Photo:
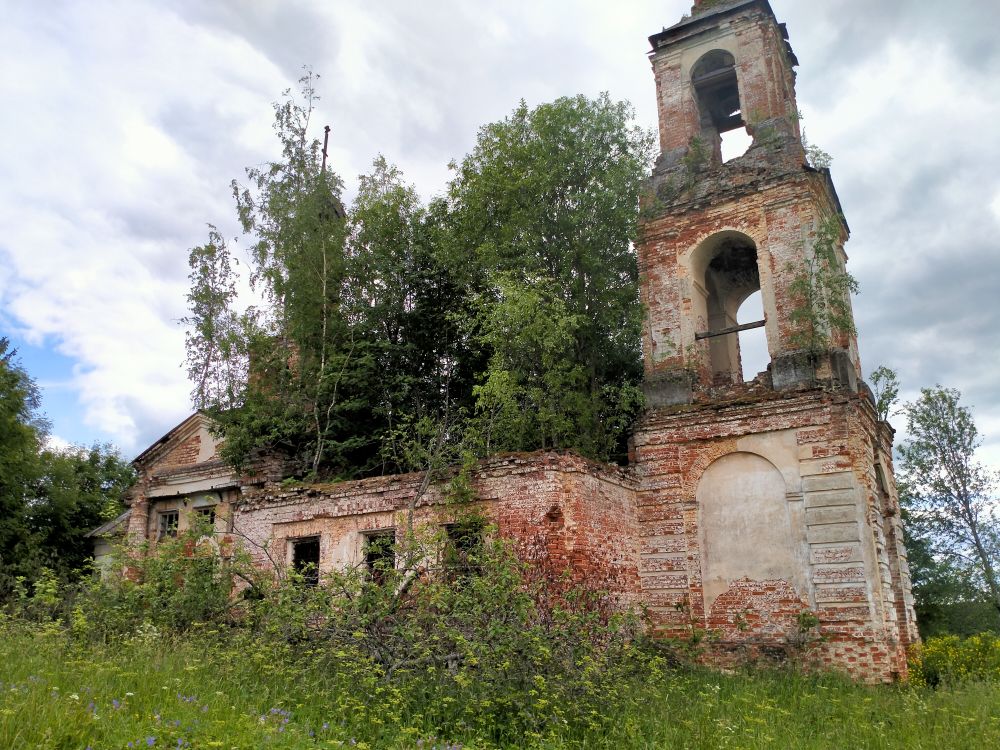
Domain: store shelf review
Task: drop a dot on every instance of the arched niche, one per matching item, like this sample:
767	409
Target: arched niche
744	526
725	272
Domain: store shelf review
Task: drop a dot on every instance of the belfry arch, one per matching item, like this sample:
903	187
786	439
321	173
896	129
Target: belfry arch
717	94
724	271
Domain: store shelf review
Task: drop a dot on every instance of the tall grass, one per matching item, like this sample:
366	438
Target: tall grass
221	689
446	648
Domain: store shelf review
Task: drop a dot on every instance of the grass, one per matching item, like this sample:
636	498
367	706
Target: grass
216	690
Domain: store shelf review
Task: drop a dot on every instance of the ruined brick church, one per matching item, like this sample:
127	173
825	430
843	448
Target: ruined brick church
745	504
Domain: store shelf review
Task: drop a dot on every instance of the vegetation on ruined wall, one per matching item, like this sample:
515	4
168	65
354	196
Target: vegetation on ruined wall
48	498
821	289
405	314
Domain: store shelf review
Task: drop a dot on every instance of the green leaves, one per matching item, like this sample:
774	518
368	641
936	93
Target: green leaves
885	387
546	205
531	391
48	499
822	290
952	497
504	316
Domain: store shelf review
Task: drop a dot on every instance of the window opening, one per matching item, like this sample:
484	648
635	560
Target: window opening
464	544
380	553
167	525
207	513
714	80
754	356
730	277
305	559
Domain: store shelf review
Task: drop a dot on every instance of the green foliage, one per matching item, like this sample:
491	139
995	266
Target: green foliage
22	433
48	499
821	288
534	392
696	157
76	491
950	659
381	337
171	585
546	208
948	596
217	355
456	634
220	688
885	387
950	496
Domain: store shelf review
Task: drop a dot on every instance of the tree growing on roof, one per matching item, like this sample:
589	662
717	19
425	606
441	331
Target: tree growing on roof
397	314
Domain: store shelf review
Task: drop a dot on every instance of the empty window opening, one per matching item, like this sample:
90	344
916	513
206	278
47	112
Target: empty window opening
305	559
380	553
724	268
718	94
754	356
735	143
464	544
206	513
167	524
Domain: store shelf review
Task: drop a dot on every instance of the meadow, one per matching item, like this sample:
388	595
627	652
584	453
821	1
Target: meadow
217	688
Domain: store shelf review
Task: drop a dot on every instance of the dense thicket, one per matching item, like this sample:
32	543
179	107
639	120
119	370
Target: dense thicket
502	316
48	499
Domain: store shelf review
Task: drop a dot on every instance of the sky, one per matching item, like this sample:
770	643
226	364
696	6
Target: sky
124	122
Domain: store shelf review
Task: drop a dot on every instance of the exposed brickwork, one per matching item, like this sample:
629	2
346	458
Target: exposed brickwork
819	442
184	454
580	514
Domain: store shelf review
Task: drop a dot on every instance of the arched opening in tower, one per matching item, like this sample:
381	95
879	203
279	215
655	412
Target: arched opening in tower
721	114
724	268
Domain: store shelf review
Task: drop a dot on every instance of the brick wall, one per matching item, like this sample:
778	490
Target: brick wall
576	514
840	564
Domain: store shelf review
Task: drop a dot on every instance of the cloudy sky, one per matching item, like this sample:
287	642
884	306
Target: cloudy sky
123	123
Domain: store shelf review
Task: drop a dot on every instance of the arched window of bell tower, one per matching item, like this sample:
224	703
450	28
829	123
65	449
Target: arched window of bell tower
720	112
725	274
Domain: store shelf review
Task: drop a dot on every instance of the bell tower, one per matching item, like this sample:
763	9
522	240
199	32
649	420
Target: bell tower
767	503
714	233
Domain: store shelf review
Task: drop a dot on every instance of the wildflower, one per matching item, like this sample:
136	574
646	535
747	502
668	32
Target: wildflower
150	741
74	697
115	704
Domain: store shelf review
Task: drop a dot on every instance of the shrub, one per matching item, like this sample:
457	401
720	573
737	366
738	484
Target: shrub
458	638
949	659
172	585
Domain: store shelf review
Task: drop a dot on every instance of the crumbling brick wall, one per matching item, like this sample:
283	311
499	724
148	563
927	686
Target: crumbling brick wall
575	514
